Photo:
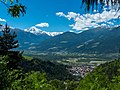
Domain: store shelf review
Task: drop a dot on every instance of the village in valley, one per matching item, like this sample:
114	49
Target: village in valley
79	65
81	69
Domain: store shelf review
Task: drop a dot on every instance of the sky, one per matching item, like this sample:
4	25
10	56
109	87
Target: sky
59	16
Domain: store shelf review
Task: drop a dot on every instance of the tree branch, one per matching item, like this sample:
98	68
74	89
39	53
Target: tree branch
5	4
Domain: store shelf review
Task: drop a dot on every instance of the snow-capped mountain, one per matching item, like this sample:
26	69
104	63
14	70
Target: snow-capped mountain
38	31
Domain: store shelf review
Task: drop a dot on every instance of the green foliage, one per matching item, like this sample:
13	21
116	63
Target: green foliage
14	7
13	76
16	79
64	85
16	10
71	85
13	59
7	40
32	81
57	84
7	76
104	77
53	70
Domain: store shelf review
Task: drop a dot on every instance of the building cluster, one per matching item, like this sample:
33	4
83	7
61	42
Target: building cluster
81	70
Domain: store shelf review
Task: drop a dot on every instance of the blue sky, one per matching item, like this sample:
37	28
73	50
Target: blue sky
58	15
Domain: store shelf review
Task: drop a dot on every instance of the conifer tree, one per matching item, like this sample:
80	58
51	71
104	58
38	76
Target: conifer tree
7	40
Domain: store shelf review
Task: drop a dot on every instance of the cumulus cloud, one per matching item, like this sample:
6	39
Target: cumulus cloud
86	21
69	16
2	20
42	25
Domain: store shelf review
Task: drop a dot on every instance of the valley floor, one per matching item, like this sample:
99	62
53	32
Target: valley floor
80	64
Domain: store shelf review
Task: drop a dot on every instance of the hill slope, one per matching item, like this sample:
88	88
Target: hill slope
99	40
104	77
27	40
53	70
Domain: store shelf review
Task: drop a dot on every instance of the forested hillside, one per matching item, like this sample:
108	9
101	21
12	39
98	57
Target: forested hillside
18	73
104	77
53	70
21	74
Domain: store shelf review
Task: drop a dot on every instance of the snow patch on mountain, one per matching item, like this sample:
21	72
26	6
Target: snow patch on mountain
53	33
38	31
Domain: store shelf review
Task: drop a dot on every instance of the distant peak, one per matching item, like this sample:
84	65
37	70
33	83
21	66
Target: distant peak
38	31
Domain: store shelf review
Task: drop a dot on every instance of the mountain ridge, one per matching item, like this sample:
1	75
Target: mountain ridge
98	40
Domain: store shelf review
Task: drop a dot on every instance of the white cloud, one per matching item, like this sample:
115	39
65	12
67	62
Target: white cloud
85	21
2	20
72	15
69	16
60	14
42	25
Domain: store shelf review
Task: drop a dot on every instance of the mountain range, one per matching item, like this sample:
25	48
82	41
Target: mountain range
97	40
30	37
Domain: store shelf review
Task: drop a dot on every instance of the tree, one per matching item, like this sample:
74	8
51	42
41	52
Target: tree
7	40
15	9
32	81
94	4
57	84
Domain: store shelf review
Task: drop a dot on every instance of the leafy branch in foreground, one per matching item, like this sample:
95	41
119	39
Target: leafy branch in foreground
15	9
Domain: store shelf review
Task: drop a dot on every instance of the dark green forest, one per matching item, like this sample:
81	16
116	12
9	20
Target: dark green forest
21	74
18	73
